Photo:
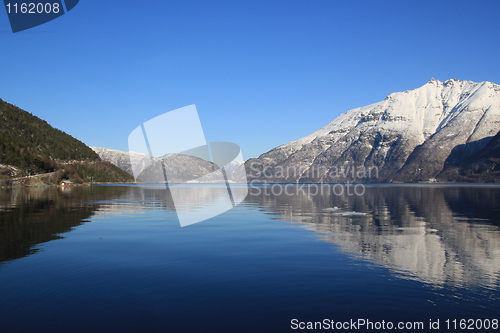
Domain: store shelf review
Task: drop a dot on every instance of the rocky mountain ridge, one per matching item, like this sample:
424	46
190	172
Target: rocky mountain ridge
407	137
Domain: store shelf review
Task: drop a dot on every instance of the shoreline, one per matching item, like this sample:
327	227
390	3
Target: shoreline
5	184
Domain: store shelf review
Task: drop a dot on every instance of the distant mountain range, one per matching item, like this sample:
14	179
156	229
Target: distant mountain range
440	132
29	145
180	167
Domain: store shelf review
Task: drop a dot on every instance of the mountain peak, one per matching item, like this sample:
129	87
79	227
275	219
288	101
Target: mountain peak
407	137
434	81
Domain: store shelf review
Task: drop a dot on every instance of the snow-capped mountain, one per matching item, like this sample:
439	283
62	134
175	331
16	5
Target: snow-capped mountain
180	167
406	137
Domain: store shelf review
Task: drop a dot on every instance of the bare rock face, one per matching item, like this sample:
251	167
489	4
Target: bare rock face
482	166
407	137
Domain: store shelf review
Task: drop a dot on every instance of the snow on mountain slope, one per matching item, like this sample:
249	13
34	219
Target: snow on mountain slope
406	137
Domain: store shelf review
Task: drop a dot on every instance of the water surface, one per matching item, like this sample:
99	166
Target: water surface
114	258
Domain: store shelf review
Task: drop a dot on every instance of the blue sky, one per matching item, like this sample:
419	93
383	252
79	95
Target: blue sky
261	73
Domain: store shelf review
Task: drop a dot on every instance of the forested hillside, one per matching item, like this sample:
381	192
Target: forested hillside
32	146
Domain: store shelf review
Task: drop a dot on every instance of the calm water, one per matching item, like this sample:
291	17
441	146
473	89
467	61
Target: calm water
113	258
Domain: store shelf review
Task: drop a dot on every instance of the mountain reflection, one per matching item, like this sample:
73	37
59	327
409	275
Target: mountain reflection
30	216
435	234
439	235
